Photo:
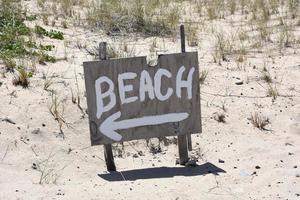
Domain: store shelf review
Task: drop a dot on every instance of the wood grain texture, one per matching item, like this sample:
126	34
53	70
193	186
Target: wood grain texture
112	68
183	149
108	154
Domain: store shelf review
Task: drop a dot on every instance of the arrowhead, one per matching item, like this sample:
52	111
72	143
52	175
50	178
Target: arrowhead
108	127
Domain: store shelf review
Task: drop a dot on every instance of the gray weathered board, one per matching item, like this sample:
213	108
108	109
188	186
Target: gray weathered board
152	106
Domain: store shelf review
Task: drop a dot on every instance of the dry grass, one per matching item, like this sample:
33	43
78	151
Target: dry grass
262	19
259	121
48	81
203	76
272	91
49	170
139	16
265	75
22	78
224	46
57	111
192	35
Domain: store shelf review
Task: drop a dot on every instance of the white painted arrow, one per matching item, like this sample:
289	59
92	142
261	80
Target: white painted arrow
110	125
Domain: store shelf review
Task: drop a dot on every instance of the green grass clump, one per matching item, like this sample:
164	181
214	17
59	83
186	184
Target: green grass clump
16	38
55	35
12	31
40	31
46	47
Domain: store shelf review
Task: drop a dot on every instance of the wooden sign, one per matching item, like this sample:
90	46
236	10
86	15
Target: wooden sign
127	99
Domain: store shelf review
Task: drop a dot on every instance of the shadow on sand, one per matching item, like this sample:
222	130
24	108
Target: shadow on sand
162	172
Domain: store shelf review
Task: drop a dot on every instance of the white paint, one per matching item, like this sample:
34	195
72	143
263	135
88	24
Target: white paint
146	85
110	125
126	88
157	84
184	84
100	96
153	89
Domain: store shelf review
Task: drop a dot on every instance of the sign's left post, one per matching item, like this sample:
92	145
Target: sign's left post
108	154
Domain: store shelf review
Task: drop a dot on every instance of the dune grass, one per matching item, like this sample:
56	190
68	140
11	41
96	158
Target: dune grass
17	39
134	16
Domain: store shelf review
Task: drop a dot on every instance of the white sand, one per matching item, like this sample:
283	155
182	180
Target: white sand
74	165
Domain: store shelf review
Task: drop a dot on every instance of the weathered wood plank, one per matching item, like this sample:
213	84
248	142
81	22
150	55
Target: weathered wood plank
189	142
108	154
182	149
149	106
183	139
109	158
182	37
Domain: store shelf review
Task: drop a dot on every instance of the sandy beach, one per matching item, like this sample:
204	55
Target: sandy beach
42	157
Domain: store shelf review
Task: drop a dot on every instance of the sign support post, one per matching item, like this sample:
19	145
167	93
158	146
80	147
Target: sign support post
108	154
183	139
182	37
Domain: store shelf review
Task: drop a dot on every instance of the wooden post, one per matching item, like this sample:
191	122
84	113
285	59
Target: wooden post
109	158
182	37
108	154
182	149
189	142
182	139
103	51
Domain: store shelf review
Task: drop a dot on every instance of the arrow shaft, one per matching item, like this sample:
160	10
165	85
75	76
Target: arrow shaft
150	120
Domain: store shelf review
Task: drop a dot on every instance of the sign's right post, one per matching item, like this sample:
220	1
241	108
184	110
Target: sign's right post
182	139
